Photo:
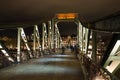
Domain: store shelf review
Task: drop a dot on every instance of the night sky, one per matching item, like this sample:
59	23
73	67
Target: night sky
8	32
67	28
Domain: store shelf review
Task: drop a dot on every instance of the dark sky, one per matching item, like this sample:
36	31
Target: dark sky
8	32
67	28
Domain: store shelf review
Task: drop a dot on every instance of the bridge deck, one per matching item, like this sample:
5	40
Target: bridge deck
50	67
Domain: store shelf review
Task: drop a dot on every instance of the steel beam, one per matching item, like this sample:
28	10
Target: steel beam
114	58
36	38
43	36
116	68
79	34
2	49
86	40
18	45
94	45
49	34
34	41
26	42
53	34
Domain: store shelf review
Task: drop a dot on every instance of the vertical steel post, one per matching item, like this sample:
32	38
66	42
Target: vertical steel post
25	41
80	35
34	41
43	35
86	39
37	39
53	36
49	34
84	32
18	44
56	35
61	42
81	38
82	45
58	40
77	33
94	45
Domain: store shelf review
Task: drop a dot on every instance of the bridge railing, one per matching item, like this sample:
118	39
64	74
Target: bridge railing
93	70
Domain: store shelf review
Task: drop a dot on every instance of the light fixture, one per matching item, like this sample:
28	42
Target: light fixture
67	15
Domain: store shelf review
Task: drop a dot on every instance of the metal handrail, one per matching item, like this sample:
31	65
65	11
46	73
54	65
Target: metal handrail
104	72
112	77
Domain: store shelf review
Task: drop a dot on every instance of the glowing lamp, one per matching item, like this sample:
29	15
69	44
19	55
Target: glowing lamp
66	15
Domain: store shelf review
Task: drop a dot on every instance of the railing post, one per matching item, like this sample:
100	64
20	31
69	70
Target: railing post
49	34
94	46
18	44
43	36
34	42
53	34
87	38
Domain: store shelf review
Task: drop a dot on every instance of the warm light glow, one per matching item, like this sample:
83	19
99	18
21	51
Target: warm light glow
90	47
4	51
36	27
50	27
0	46
18	58
90	54
10	59
90	36
27	47
66	16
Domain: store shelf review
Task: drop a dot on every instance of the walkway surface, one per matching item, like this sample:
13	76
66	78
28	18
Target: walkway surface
50	67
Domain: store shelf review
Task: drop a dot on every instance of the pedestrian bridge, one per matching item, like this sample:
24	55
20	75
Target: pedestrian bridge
43	57
59	40
49	67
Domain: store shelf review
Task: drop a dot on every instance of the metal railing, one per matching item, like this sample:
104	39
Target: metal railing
93	69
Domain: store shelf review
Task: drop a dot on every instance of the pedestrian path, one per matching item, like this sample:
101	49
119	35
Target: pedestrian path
49	67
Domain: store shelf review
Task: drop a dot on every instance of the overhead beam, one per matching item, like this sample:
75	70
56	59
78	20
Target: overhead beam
107	25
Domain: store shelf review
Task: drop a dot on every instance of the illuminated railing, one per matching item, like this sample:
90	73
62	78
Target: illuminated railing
5	53
93	70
